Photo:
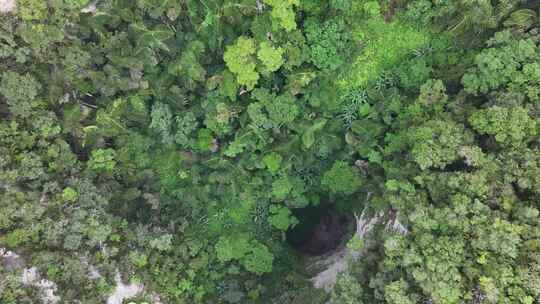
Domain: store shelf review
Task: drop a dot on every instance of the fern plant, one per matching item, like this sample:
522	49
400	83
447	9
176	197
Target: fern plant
352	101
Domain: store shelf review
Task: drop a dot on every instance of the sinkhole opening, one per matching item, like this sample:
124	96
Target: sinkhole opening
320	230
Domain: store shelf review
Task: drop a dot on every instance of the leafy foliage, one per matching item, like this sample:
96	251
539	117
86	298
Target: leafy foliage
341	178
282	10
436	143
20	92
328	43
281	218
102	160
271	58
240	61
182	143
508	126
253	255
272	161
507	63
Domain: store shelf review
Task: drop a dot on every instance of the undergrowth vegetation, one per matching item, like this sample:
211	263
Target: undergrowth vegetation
175	142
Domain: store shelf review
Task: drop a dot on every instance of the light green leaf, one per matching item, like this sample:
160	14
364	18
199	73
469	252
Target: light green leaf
308	138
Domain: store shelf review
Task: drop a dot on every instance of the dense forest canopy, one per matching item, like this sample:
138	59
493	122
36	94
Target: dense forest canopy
217	151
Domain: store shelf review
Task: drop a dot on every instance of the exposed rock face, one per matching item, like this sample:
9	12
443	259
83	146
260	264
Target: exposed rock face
30	276
10	260
91	8
123	291
7	6
338	260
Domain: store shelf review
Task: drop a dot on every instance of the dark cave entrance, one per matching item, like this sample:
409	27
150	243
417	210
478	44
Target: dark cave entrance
320	230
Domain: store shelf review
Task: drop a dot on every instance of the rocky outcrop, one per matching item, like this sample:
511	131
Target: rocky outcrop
337	261
48	289
7	6
123	291
30	276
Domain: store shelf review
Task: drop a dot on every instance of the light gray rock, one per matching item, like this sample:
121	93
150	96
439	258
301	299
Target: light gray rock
123	291
7	6
339	260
